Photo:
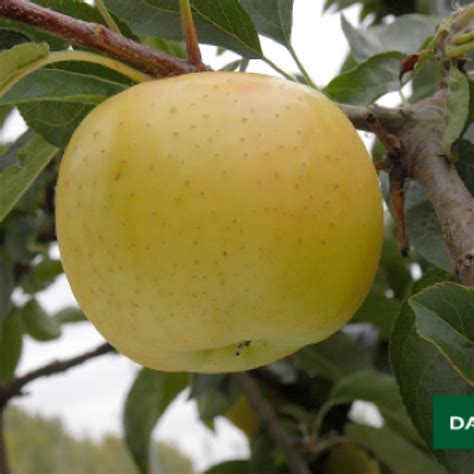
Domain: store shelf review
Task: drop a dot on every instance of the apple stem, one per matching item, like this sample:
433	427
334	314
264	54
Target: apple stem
190	35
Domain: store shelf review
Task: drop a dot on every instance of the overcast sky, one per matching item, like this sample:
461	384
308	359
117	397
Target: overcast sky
90	398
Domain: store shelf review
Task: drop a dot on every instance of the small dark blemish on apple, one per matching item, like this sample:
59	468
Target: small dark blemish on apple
172	110
241	346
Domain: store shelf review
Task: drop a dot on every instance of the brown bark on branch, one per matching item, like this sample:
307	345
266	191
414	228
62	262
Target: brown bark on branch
13	388
95	36
270	422
420	128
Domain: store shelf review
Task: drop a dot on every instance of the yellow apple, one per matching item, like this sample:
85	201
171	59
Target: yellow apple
217	222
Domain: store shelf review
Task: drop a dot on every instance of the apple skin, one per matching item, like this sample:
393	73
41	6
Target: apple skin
198	212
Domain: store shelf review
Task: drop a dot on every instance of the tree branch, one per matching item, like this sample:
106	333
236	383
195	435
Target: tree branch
271	423
95	36
454	205
420	128
13	388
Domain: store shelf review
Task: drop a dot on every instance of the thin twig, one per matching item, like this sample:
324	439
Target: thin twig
190	35
13	388
271	423
95	36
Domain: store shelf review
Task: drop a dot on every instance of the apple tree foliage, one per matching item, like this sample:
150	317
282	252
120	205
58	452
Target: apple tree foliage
412	338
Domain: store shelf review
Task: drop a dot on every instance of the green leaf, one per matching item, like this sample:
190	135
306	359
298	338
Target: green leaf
214	394
377	388
424	228
272	18
54	121
333	358
363	44
444	316
33	34
174	48
11	339
229	467
203	383
32	157
224	23
393	450
18	57
427	78
41	275
368	81
71	314
38	324
10	37
405	34
20	236
457	108
10	155
7	284
421	372
464	149
147	399
64	86
394	270
83	11
378	310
